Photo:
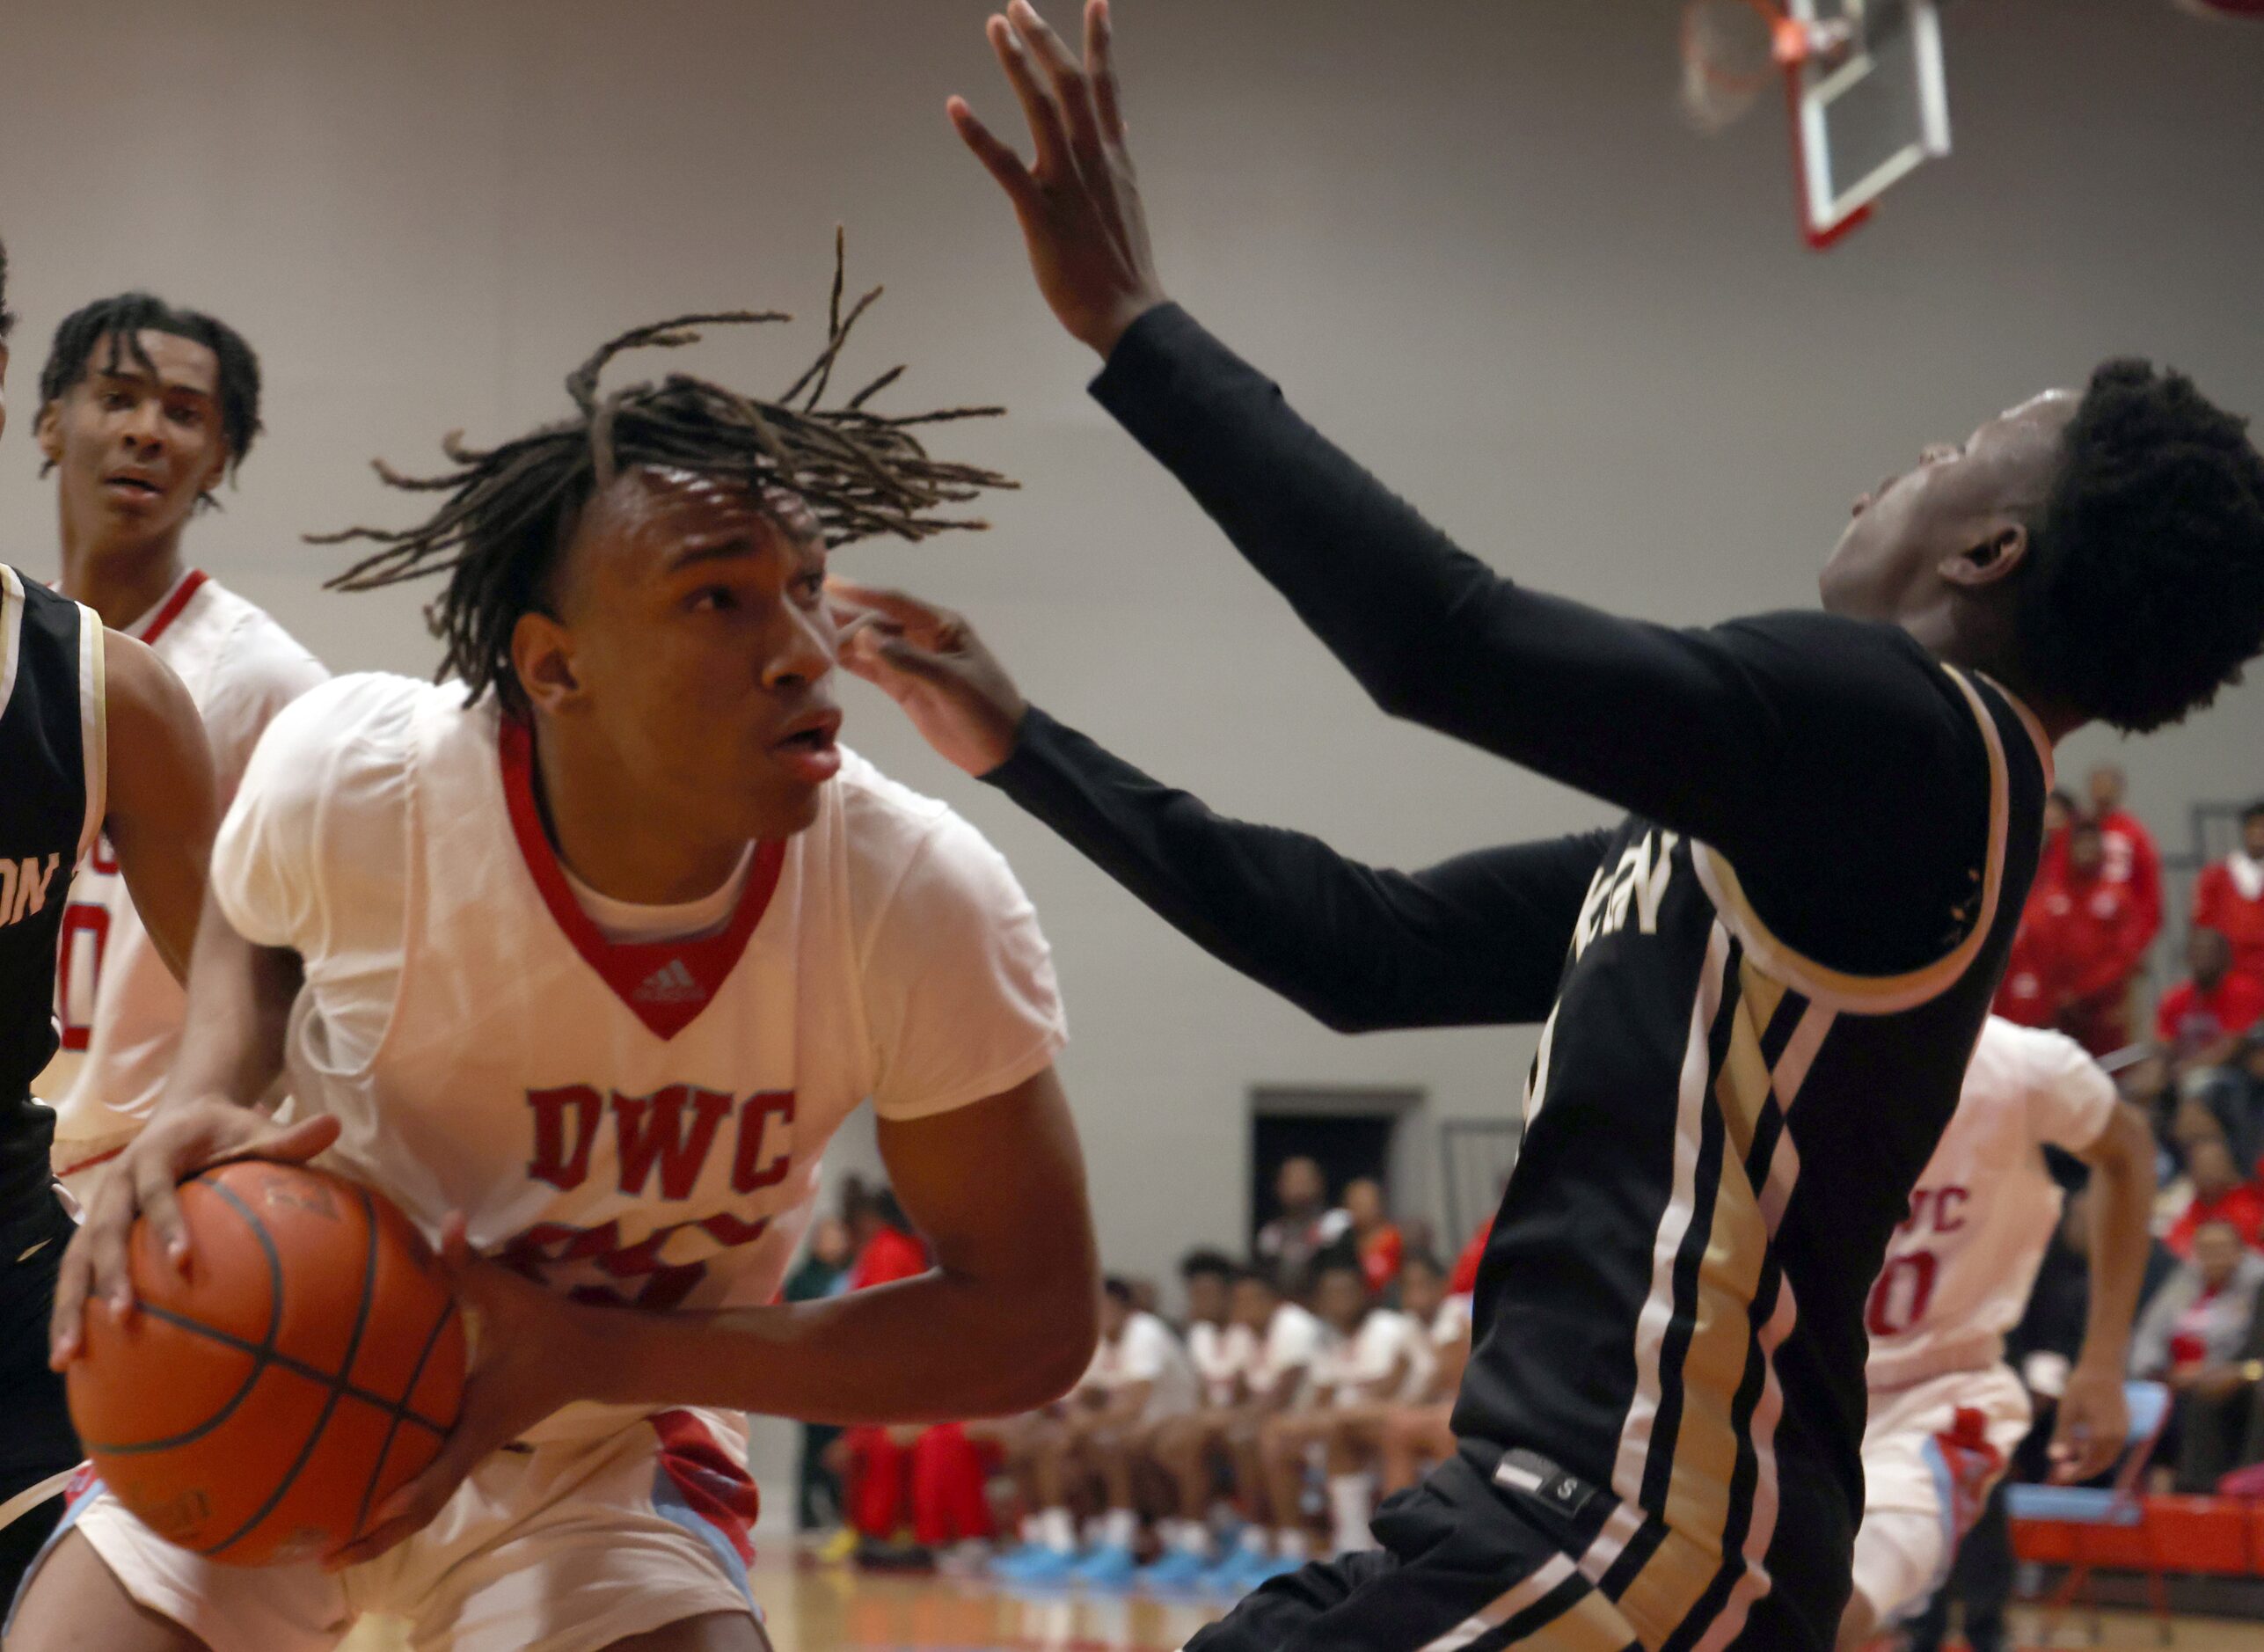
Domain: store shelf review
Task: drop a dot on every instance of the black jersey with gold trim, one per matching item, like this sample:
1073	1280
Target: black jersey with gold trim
51	751
1720	1136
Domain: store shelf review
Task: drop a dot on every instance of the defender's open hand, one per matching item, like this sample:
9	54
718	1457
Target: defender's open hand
1078	201
931	662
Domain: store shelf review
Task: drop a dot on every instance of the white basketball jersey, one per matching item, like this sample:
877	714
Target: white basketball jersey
642	1122
118	1007
1958	1271
1219	1354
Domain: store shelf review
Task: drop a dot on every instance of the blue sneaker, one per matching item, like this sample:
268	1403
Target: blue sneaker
1181	1568
1037	1564
1227	1577
1109	1566
1264	1567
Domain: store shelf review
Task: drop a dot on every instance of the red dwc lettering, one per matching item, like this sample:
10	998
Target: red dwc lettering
553	1161
748	1169
1881	1315
649	1128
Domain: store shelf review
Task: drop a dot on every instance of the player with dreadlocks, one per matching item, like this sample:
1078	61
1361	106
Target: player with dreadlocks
593	949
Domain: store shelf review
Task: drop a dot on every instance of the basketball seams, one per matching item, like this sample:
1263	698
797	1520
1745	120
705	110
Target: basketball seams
401	1412
261	1352
346	1364
284	1362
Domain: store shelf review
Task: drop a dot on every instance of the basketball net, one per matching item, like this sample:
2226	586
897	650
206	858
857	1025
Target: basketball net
1734	50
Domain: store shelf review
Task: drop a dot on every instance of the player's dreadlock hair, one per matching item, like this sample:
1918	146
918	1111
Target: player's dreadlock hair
7	316
2147	590
511	510
122	321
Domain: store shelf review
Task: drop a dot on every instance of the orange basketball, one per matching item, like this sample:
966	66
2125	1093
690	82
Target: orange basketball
258	1410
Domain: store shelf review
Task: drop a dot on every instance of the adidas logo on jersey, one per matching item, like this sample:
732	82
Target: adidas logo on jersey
671	984
24	886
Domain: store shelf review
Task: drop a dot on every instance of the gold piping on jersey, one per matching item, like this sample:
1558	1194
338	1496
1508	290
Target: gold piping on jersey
93	724
1875	995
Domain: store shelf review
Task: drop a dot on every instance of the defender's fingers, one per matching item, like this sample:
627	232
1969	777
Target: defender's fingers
1064	76
1101	68
1048	131
999	159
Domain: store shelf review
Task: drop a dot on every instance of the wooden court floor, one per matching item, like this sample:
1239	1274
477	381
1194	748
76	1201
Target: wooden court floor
814	1609
838	1609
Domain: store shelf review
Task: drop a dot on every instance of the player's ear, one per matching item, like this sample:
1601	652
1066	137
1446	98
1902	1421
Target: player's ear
542	654
47	430
2000	550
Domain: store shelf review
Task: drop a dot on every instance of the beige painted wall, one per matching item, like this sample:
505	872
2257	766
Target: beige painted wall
1470	237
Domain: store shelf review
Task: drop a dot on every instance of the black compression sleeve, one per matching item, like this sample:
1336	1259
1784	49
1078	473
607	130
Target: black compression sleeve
1830	760
1476	940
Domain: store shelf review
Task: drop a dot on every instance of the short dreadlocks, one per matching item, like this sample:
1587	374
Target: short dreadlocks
122	320
511	510
7	316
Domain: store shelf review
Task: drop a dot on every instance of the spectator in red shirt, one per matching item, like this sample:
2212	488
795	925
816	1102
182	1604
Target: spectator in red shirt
2025	996
1381	1244
2201	1020
2229	896
2082	940
2220	1195
886	1249
2131	858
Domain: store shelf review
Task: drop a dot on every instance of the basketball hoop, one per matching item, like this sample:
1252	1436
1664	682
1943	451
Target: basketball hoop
1733	49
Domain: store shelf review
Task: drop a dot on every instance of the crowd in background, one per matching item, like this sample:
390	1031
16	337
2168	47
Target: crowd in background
1258	1427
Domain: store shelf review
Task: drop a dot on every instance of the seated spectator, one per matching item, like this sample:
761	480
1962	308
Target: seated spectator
2229	896
2232	1096
1421	1432
1139	1379
2221	1193
1279	1339
887	1249
1305	1226
1367	1354
1192	1449
926	1483
2195	1336
2200	1019
1373	1232
2130	858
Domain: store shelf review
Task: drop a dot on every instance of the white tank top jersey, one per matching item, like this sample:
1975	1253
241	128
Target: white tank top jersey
1219	1353
637	1121
1293	1336
1343	1366
118	1007
1958	1271
1147	1351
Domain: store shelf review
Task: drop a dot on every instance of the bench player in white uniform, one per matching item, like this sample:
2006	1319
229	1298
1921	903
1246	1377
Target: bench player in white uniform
1368	1354
144	409
1946	1410
593	965
1186	1448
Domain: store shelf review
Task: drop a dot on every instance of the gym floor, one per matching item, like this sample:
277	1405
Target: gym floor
831	1609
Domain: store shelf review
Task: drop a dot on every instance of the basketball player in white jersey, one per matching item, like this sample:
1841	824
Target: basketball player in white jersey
144	409
1946	1410
583	958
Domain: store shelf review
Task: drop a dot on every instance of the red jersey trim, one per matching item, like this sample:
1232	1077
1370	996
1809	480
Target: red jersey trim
665	983
170	609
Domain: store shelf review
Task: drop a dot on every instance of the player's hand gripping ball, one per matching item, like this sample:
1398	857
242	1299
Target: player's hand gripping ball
310	1362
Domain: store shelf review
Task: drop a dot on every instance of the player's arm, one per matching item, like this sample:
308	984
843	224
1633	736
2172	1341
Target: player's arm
159	807
2088	1435
1006	1320
1479	940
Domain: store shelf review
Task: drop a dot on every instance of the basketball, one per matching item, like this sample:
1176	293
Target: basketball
257	1410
